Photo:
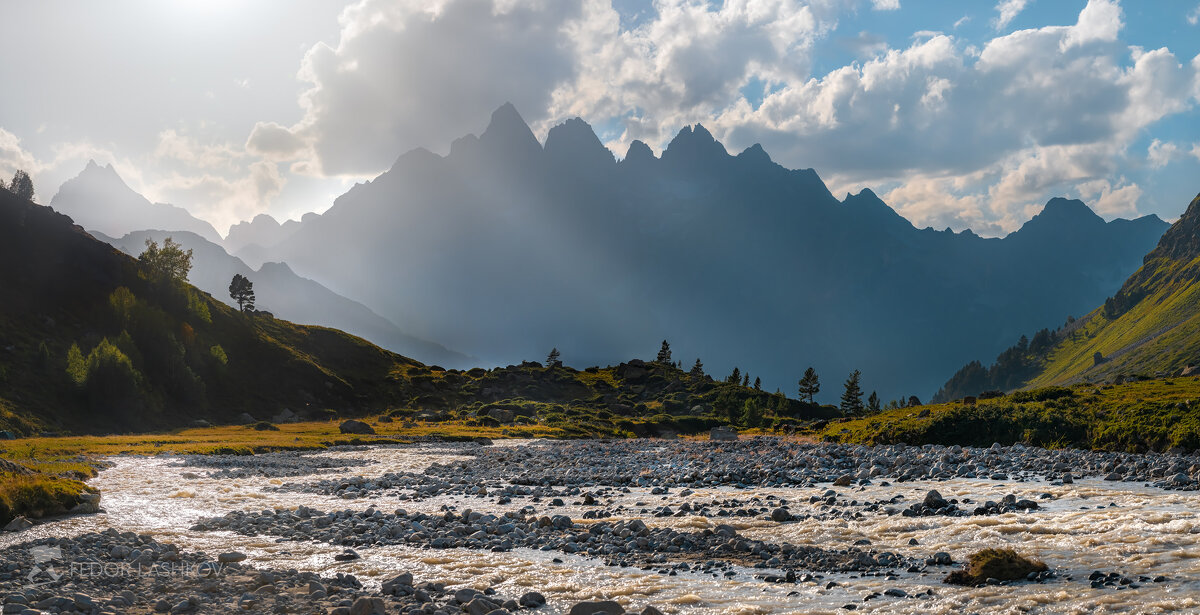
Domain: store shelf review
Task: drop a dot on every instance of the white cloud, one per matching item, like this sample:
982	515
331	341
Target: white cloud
885	5
1109	200
1008	9
1194	16
1160	154
1196	150
222	199
983	133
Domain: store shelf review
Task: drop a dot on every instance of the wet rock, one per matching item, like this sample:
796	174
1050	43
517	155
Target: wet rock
934	500
231	557
368	606
532	600
18	524
781	515
606	607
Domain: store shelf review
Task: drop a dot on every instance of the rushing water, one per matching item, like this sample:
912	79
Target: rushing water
1090	525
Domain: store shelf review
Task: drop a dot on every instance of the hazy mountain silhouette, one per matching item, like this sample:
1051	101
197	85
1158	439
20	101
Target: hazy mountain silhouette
261	232
505	248
289	296
98	199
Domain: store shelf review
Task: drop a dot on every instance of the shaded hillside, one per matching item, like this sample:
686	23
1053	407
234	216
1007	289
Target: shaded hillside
286	295
151	354
99	200
508	246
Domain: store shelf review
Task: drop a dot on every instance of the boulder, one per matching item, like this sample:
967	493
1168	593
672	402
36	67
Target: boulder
1000	564
18	524
934	500
286	416
532	600
9	467
88	503
245	419
502	415
231	557
781	515
723	434
599	607
356	427
368	606
843	481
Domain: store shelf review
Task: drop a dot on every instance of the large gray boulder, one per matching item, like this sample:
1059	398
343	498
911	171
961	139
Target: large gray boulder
723	434
356	427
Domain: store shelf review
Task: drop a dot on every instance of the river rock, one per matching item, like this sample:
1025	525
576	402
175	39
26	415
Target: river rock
605	607
231	557
532	600
18	524
934	500
368	606
356	427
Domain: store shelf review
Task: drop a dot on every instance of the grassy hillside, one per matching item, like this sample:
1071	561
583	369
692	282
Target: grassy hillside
1138	416
1149	328
1152	325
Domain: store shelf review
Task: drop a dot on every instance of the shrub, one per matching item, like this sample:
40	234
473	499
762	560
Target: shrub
1044	394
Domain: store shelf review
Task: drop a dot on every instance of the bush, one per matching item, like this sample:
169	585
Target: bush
1044	394
38	496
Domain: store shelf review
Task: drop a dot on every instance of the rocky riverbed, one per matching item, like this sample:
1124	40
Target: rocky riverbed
750	526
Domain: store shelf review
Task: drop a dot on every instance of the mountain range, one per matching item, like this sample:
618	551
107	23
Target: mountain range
507	247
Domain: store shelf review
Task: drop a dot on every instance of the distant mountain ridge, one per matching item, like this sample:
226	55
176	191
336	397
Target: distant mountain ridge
289	296
505	248
98	199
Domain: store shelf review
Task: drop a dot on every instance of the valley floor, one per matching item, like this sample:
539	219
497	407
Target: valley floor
759	525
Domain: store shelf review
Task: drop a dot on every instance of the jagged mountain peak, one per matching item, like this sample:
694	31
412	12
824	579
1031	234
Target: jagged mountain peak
638	152
694	143
507	129
755	153
574	142
1182	240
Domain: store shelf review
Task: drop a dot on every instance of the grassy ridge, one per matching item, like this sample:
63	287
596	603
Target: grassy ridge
1153	415
1151	325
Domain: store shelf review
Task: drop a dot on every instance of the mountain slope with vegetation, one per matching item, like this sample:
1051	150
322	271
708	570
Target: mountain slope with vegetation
1149	328
91	341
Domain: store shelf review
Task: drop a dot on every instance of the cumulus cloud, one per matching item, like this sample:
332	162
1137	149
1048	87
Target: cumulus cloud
1193	17
968	133
222	199
1160	154
1008	10
416	73
885	5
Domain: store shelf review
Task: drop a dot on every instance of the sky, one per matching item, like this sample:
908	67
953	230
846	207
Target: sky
958	114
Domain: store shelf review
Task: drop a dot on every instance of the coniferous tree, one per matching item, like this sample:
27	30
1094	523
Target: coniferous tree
752	413
21	185
810	385
873	403
697	369
852	397
735	377
757	383
241	289
664	353
552	359
746	380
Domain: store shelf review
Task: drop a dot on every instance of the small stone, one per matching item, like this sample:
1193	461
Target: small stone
231	557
